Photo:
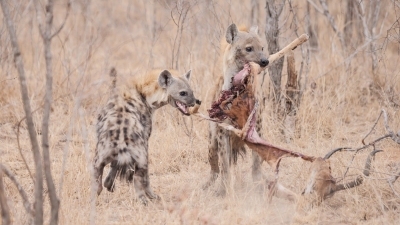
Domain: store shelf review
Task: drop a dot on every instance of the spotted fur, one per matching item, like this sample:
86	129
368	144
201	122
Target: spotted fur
224	146
125	123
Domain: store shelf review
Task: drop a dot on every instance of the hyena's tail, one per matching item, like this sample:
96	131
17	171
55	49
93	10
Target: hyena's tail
126	164
113	76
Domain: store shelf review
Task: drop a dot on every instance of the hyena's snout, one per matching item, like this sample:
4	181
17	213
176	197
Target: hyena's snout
263	62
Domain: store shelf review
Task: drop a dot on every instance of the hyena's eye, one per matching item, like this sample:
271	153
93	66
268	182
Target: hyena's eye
249	49
183	93
262	49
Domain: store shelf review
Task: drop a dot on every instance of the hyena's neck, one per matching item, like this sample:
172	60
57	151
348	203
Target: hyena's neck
148	87
230	67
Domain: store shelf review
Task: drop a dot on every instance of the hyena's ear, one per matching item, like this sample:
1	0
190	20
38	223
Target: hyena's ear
187	75
254	29
165	79
231	33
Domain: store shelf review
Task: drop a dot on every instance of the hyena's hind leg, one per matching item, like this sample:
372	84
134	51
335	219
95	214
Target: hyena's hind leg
98	168
212	155
109	182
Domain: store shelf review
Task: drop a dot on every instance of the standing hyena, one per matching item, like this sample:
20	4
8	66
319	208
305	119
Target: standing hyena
124	126
243	47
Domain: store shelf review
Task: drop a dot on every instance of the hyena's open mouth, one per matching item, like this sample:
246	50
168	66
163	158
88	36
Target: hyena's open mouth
182	107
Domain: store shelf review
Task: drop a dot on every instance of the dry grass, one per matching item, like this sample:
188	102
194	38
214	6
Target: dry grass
135	36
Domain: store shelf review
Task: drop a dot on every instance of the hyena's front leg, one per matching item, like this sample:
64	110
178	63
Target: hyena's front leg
142	185
257	160
110	179
139	183
141	177
224	154
147	189
212	155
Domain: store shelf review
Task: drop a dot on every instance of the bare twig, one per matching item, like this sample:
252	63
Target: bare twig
5	210
391	186
332	22
395	137
21	190
47	36
66	146
315	6
65	19
346	59
28	112
90	168
372	128
183	8
329	154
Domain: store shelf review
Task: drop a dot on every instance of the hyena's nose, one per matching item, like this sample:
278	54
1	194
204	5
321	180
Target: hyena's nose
264	62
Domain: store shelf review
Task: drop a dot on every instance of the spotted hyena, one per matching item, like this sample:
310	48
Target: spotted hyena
243	47
125	123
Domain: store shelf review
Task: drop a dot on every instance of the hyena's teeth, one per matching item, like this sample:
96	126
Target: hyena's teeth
181	106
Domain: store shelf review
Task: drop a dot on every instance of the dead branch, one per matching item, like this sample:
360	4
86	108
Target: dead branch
183	8
332	22
291	86
376	122
21	190
28	112
47	37
393	179
65	20
291	98
5	210
395	137
359	178
329	154
369	32
298	41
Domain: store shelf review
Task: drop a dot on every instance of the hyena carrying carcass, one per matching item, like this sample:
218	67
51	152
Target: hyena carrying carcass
243	47
125	123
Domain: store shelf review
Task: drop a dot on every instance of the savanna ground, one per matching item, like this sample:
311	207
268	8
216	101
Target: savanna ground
340	103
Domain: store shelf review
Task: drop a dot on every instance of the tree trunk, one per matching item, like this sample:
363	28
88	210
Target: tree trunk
255	13
274	10
348	23
291	97
311	29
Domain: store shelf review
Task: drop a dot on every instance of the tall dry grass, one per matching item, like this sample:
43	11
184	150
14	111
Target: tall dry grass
339	106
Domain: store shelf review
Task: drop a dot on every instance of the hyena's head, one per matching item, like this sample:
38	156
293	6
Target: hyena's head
180	94
246	46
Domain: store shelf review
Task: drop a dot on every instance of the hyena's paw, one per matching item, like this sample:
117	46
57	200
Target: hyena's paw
109	184
210	181
151	195
142	199
221	191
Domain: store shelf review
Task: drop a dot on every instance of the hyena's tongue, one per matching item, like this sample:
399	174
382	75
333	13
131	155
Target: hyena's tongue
239	77
181	106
